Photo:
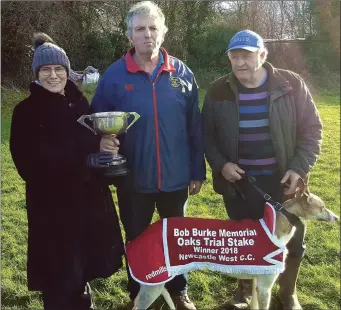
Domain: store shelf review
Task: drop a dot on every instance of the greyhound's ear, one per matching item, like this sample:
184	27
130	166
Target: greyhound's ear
302	187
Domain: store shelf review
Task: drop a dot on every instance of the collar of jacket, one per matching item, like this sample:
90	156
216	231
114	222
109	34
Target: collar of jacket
73	96
132	67
278	84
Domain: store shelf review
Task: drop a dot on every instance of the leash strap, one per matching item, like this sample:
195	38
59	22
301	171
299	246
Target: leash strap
292	218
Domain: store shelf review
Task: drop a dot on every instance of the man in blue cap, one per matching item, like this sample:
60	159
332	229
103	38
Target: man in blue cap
260	121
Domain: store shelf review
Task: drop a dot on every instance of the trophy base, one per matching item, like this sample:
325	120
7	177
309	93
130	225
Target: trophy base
118	167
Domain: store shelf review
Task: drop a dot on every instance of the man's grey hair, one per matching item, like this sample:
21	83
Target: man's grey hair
145	8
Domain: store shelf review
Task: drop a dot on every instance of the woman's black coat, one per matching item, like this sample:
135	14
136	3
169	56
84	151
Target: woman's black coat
73	229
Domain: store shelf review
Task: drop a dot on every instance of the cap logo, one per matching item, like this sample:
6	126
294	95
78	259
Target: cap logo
245	39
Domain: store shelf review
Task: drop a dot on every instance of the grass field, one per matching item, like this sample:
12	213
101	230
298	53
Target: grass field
318	285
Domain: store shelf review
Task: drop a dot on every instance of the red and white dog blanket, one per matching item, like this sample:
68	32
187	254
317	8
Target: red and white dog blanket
177	245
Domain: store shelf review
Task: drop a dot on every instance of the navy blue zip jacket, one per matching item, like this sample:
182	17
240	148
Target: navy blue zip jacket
164	148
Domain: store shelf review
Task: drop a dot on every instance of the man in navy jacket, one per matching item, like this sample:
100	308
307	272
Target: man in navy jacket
164	148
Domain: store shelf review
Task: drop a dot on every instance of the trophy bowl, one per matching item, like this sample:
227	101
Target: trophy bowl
108	123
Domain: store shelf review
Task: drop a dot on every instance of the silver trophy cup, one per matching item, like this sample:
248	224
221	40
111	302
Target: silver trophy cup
107	123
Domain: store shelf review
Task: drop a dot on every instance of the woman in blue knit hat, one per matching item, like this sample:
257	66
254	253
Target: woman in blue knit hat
73	230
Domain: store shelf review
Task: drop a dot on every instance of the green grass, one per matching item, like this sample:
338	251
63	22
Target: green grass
318	285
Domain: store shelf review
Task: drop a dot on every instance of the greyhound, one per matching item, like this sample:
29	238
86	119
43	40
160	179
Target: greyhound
304	205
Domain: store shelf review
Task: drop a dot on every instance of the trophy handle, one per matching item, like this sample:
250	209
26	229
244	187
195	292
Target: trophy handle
82	119
136	117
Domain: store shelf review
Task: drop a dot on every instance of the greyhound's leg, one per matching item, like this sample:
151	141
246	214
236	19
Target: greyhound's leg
147	295
264	288
168	299
254	299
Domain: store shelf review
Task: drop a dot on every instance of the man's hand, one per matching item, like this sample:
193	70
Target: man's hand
109	143
292	177
232	172
194	187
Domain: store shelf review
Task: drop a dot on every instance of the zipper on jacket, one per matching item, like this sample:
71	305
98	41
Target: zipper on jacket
157	138
269	116
270	126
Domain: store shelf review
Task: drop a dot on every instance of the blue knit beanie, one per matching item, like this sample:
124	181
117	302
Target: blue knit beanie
46	52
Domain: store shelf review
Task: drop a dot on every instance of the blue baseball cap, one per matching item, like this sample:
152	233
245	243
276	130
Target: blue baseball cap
246	40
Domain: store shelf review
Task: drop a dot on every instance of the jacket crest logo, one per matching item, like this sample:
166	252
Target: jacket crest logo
175	81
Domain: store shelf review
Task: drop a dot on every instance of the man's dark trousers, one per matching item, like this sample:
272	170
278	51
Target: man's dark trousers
136	212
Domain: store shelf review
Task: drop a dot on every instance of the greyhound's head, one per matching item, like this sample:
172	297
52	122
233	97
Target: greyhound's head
309	206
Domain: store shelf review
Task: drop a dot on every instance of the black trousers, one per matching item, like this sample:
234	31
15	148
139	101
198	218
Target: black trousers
249	203
136	212
59	299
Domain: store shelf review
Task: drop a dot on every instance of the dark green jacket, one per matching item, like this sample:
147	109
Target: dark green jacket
295	126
